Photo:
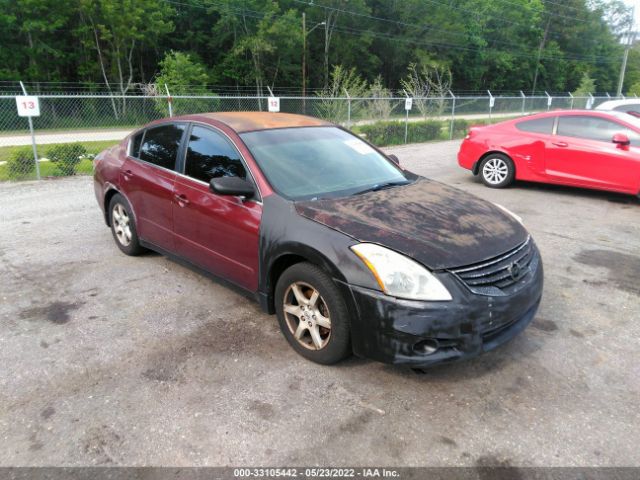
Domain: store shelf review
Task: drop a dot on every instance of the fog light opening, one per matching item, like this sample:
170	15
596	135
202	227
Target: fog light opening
426	347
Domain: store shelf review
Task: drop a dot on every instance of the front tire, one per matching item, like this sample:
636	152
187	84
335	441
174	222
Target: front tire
312	314
123	226
497	171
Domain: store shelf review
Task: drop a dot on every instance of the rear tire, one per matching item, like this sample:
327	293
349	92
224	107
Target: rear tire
497	170
312	314
123	226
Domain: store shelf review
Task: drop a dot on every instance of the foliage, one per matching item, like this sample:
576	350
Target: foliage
587	86
120	43
392	132
430	81
21	164
379	107
66	156
634	89
183	75
343	83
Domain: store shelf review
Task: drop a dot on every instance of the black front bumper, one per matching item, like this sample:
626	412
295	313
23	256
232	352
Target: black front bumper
393	330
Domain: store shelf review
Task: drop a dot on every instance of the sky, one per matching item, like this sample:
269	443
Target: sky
636	3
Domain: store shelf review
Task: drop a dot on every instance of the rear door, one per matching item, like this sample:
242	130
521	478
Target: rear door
216	232
147	179
582	153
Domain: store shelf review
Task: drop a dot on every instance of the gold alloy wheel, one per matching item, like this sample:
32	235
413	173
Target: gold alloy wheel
307	316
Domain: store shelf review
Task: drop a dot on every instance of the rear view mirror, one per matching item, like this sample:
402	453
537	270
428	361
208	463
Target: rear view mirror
234	186
621	140
394	159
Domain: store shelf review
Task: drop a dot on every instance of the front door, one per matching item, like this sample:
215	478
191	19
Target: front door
216	232
147	179
582	153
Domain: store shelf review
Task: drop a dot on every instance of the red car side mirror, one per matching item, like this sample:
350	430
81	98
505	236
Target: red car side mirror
621	140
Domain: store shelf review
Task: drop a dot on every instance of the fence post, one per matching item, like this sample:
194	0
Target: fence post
571	95
348	108
169	100
406	119
491	103
33	137
590	101
524	99
549	100
453	114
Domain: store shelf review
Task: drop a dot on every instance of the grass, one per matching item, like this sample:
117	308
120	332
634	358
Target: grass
49	169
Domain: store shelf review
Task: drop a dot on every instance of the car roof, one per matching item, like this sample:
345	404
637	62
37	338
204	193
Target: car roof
609	104
553	113
251	121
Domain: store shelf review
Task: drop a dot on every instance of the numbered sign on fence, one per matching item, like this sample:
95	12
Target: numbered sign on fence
408	103
492	102
274	104
28	106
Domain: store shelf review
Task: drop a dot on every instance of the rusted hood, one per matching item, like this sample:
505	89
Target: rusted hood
438	225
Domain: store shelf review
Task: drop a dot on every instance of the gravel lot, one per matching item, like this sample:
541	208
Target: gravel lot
113	360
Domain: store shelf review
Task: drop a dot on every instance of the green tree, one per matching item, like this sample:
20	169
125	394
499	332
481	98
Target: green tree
183	75
587	86
115	28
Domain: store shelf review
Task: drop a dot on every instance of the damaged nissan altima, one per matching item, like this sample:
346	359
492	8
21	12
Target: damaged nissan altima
354	254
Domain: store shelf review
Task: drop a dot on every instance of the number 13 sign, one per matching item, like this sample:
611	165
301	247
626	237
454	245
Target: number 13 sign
28	106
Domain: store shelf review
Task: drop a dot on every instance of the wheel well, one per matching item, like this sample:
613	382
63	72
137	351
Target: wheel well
476	166
278	267
107	198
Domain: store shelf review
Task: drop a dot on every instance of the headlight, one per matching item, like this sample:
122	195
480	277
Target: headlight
506	210
400	276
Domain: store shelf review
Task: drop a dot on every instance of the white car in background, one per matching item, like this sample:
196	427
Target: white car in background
630	106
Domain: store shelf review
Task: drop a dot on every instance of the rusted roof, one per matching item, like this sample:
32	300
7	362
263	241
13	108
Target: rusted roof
249	121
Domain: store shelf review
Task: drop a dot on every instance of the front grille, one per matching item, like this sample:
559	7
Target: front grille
502	275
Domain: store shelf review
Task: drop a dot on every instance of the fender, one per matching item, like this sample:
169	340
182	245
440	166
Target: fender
287	238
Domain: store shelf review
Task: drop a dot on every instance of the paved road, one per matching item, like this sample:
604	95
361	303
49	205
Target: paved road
140	361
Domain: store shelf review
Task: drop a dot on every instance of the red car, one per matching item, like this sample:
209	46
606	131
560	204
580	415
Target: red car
353	253
591	149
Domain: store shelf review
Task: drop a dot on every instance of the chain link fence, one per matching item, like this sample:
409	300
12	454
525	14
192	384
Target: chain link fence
72	129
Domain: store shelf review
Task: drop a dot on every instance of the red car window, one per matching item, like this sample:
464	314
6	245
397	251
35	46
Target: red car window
211	155
594	128
161	145
538	125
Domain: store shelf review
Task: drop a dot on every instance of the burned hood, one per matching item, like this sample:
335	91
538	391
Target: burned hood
439	226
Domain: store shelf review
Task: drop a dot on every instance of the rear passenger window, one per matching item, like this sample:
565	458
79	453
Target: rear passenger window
590	128
539	125
211	155
135	145
161	145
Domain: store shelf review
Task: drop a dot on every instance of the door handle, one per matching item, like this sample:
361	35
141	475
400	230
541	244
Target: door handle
561	144
128	174
182	199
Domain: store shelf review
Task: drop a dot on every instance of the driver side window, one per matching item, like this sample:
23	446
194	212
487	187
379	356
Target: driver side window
211	155
594	128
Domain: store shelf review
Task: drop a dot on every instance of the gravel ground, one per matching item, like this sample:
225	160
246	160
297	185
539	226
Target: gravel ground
110	360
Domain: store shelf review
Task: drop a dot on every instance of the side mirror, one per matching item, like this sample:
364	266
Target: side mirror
234	186
394	159
621	140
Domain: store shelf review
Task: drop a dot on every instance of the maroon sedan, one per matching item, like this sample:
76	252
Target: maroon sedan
592	149
353	253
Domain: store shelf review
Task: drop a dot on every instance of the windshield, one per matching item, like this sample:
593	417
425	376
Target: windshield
316	162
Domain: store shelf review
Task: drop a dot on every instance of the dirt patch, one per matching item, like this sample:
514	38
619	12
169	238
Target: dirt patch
623	268
55	312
